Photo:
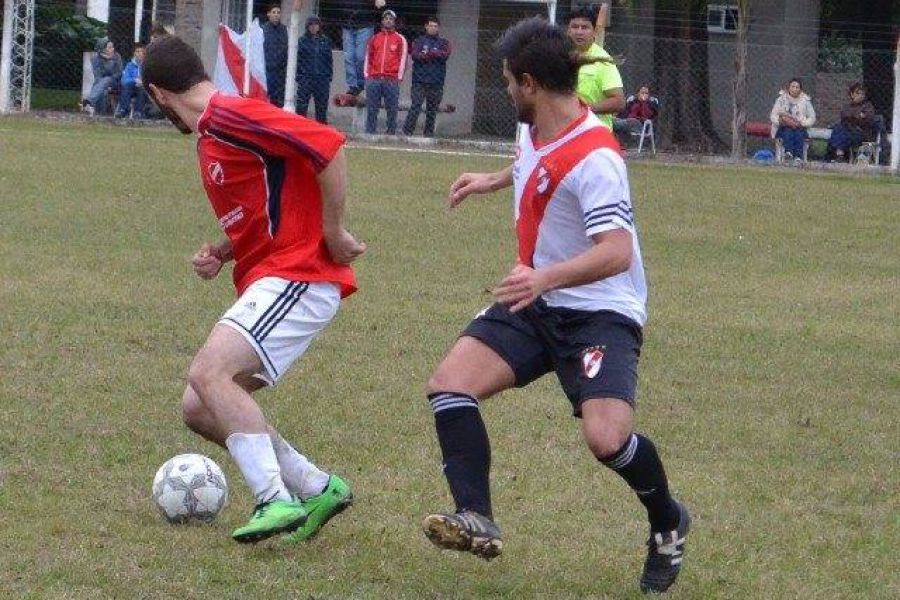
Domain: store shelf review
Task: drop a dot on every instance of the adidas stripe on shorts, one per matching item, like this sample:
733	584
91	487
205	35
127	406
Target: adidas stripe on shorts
280	319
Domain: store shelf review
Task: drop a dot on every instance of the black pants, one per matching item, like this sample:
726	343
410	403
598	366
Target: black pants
431	95
318	91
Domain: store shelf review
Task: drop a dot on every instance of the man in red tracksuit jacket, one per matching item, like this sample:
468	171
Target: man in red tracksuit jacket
384	68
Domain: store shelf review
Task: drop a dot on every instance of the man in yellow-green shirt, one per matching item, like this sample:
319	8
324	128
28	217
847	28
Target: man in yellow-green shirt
599	83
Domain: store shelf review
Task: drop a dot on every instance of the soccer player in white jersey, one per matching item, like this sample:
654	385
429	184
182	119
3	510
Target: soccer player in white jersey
574	304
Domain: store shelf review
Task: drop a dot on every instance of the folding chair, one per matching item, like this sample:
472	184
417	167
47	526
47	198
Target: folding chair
646	127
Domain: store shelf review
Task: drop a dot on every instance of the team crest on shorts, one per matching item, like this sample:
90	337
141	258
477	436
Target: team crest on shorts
591	361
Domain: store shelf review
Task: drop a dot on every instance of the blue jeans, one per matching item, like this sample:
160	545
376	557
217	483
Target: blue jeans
97	96
377	90
355	43
129	91
792	139
843	138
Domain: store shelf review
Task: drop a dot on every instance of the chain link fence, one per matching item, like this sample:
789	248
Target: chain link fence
688	61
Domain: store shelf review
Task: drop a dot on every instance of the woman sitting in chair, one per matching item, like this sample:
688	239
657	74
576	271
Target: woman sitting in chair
638	108
857	124
791	116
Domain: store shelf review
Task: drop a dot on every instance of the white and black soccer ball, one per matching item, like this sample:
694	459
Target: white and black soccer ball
190	487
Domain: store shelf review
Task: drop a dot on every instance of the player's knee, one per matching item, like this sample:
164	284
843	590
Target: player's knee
192	408
605	439
203	374
444	381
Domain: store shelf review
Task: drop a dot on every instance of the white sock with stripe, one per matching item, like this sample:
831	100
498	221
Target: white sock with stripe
255	457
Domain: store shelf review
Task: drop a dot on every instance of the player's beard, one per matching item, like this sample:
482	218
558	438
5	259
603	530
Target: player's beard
176	120
524	113
171	115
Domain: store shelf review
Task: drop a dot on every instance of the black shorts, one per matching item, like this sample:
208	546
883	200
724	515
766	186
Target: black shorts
594	354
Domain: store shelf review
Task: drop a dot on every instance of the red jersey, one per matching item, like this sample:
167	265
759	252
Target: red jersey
259	166
386	56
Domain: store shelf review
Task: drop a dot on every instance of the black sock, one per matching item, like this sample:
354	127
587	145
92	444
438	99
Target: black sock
465	449
638	463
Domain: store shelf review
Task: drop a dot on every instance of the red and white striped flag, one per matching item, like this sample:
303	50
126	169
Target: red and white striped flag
229	73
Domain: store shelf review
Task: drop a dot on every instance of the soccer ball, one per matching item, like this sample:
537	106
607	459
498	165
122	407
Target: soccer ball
190	487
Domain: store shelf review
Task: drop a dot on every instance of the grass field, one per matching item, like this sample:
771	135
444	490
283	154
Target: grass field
769	381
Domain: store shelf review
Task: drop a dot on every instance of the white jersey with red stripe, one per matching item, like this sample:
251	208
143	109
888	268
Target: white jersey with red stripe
566	191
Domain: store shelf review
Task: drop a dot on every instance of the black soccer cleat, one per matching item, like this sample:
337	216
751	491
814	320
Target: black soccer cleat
465	531
665	551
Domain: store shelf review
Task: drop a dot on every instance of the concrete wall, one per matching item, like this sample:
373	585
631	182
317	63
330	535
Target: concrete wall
783	43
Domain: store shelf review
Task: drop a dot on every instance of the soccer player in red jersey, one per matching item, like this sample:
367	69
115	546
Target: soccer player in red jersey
575	304
277	184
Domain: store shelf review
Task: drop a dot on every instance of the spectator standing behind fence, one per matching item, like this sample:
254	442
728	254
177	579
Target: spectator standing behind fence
358	18
132	86
599	83
384	68
275	48
791	116
857	124
314	69
429	54
106	66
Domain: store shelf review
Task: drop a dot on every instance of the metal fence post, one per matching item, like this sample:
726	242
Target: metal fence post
6	56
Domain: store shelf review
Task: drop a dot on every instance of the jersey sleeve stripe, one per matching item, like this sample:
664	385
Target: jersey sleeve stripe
609	219
625	214
622	204
609	225
230	119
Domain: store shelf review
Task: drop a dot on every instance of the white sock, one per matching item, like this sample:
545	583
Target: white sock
256	459
302	478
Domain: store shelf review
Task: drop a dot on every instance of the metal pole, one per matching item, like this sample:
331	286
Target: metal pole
153	9
6	56
138	19
290	81
895	123
247	48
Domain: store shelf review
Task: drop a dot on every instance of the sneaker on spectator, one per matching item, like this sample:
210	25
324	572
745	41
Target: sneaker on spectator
788	157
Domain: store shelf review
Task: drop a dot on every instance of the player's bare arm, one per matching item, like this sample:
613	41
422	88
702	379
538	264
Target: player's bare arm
610	255
613	102
478	183
342	246
208	260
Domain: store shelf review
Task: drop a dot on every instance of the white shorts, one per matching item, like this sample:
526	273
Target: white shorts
280	318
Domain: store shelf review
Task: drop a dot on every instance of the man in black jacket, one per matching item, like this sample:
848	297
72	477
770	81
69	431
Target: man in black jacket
314	69
358	18
429	53
275	47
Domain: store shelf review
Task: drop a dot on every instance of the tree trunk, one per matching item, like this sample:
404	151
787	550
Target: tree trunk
738	135
681	60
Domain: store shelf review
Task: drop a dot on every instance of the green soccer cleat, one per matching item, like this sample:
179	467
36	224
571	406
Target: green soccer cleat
271	518
334	499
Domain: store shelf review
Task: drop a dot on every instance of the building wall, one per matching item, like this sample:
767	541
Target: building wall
783	43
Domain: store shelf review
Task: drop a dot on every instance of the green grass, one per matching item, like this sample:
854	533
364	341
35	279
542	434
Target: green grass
769	381
50	99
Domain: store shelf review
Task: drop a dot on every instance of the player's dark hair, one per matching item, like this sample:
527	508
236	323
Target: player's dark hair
172	65
588	12
858	87
797	79
544	51
138	45
432	19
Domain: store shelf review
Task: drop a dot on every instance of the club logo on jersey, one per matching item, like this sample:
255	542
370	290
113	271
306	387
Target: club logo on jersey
543	180
591	360
216	173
